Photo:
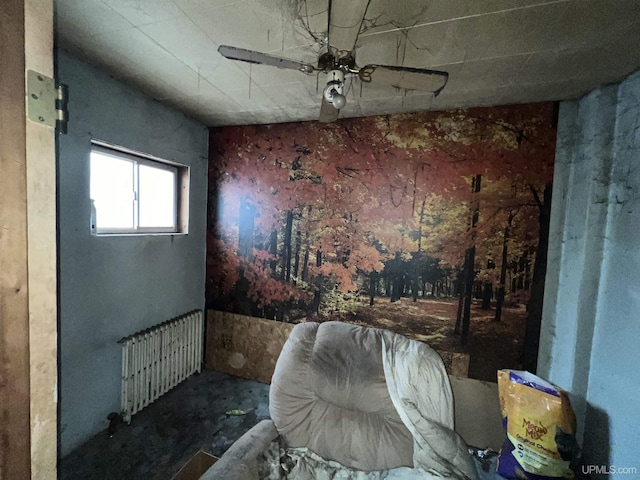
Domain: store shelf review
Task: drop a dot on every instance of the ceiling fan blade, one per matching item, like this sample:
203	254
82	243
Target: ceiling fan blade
251	56
405	77
345	20
328	113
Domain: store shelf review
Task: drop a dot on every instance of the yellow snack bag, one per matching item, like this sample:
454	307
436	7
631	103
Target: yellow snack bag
538	418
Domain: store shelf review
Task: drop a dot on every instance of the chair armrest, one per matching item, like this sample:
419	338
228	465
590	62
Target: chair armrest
240	462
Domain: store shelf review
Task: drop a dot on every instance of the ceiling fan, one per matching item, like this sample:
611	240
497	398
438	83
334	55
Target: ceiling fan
345	20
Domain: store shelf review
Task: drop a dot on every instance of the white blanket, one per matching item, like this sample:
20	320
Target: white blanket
437	449
309	466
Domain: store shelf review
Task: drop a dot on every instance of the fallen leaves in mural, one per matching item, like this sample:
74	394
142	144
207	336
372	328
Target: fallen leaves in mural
432	321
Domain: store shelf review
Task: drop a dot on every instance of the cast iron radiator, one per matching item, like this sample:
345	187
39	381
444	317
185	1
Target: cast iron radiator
157	359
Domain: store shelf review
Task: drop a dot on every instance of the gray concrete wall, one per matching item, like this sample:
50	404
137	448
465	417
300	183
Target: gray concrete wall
590	330
113	286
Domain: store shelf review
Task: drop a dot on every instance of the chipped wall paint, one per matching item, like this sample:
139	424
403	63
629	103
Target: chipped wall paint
589	338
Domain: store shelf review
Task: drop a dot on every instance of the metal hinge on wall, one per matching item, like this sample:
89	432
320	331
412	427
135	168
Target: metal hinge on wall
46	103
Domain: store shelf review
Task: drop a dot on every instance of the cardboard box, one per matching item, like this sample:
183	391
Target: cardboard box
195	467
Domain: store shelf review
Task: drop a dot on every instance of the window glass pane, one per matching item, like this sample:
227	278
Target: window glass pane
112	190
157	190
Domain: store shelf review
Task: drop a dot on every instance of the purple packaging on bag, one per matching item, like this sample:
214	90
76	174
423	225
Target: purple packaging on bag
540	426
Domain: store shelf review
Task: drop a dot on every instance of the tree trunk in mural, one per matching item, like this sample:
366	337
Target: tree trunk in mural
464	308
462	280
417	259
503	268
487	287
396	274
534	315
468	289
373	287
487	292
317	297
286	271
305	265
273	250
245	230
296	264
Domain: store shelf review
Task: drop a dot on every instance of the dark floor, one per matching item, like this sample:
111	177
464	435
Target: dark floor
163	436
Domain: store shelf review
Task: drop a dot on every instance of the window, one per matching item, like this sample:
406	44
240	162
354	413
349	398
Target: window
132	193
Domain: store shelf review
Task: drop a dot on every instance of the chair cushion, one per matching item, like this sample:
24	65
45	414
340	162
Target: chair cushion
329	394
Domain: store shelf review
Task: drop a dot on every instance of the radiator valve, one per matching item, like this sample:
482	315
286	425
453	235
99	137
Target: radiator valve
114	420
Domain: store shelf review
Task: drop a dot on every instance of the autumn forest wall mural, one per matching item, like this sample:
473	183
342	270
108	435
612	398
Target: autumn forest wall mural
431	224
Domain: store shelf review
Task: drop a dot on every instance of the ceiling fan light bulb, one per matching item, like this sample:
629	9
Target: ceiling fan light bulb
339	100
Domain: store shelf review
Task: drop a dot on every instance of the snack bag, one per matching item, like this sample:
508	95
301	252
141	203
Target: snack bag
540	426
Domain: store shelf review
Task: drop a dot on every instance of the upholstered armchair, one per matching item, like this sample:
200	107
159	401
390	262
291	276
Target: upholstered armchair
355	403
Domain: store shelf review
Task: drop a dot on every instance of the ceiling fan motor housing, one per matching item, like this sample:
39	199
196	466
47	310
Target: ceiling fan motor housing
333	92
337	60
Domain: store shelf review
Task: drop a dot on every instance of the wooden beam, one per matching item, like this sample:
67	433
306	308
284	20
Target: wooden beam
28	339
41	253
15	462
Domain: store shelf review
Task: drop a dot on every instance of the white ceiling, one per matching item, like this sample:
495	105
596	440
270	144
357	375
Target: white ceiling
496	51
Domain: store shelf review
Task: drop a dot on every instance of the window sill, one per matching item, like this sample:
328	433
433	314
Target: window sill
141	234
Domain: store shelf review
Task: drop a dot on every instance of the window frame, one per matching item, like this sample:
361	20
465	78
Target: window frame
180	188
